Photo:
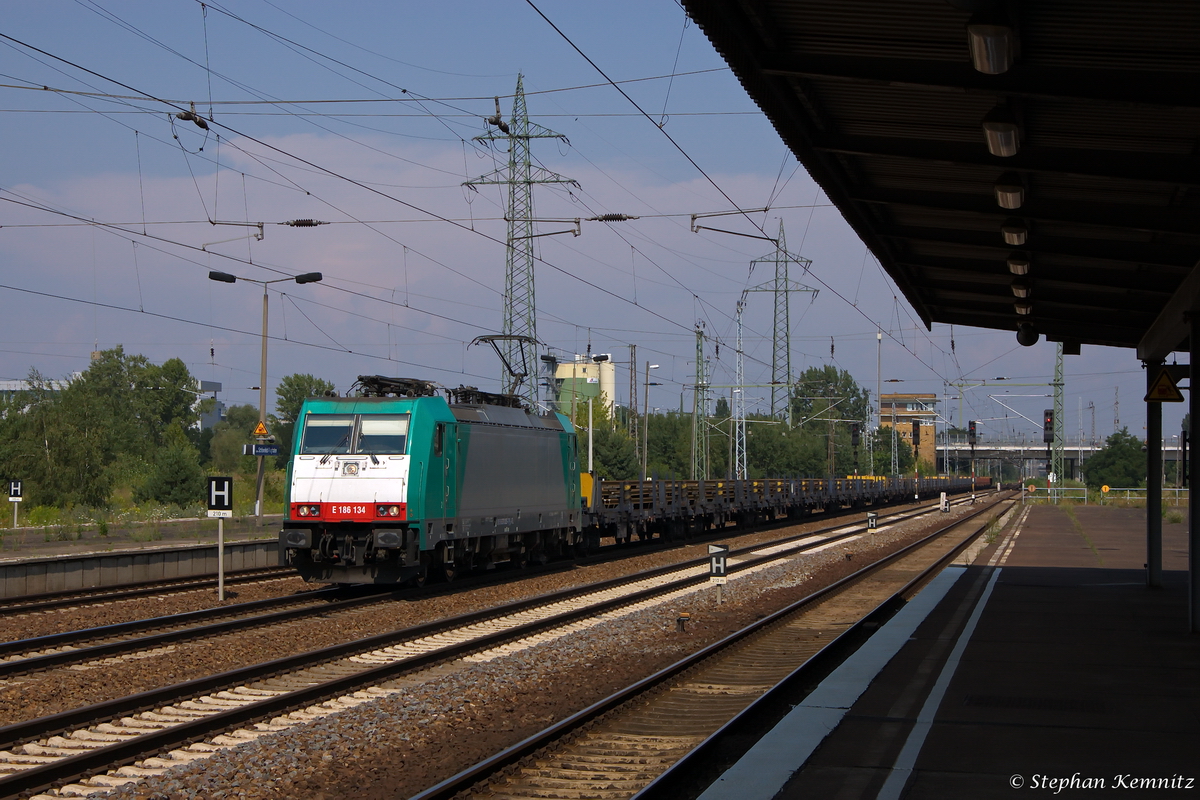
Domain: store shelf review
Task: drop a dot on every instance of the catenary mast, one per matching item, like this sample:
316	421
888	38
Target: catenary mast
520	307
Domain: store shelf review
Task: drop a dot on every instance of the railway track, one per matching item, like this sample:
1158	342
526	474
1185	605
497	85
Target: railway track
191	720
50	601
22	657
624	743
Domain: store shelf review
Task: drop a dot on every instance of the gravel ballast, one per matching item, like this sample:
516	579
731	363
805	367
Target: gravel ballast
440	721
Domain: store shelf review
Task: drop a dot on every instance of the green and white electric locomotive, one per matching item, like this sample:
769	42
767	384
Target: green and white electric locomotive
391	485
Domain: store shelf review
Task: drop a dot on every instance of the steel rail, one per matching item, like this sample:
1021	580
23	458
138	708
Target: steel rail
180	632
509	757
705	763
122	753
47	601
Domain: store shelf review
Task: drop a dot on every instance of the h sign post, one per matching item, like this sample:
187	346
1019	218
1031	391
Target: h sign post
220	505
717	564
14	497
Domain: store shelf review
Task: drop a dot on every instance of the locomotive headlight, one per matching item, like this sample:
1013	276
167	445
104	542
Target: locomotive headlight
302	511
394	511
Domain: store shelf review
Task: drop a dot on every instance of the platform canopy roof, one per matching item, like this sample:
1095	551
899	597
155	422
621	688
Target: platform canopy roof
890	105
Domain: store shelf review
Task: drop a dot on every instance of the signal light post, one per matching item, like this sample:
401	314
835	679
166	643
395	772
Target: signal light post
260	430
971	439
1048	438
916	440
855	437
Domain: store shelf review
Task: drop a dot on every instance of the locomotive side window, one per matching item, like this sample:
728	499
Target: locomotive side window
382	433
327	433
439	439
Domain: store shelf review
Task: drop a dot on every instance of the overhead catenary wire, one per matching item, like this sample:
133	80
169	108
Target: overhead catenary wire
402	245
334	174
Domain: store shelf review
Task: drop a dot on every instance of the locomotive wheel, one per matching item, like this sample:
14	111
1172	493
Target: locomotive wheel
447	568
420	578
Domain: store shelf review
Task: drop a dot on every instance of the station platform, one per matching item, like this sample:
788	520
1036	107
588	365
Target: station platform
1045	665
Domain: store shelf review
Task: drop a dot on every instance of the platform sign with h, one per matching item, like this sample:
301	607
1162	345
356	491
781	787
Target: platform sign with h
220	505
717	565
14	496
220	497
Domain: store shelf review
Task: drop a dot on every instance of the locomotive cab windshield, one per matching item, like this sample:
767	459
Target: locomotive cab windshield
347	434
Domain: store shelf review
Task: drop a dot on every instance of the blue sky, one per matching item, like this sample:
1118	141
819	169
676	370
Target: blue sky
413	262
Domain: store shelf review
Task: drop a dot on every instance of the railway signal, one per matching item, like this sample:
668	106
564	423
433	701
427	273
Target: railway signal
1048	426
972	438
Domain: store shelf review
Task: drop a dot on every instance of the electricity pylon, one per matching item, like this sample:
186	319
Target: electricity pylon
520	308
781	348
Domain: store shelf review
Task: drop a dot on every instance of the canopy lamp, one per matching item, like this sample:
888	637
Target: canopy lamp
1023	307
1015	232
1010	193
1021	287
1018	265
992	43
1001	132
1027	335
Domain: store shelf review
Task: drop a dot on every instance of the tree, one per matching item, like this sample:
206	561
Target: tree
60	446
77	439
228	437
827	387
291	393
613	451
1121	462
176	478
881	444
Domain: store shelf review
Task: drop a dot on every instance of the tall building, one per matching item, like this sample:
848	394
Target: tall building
582	379
905	410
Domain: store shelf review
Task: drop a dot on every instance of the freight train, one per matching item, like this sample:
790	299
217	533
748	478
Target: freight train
401	481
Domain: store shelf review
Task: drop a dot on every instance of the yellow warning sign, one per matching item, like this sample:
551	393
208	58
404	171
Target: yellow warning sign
260	429
1104	488
1163	389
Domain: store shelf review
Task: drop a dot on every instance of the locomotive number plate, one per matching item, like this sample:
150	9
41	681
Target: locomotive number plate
340	510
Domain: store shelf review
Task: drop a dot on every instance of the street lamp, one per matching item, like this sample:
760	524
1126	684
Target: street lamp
225	277
599	359
646	427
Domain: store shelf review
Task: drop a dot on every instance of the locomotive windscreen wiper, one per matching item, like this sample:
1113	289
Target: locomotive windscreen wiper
344	440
